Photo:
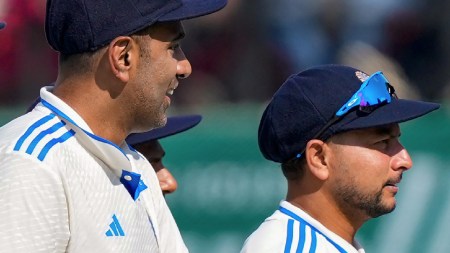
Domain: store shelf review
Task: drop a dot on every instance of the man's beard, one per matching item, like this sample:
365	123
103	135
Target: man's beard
371	204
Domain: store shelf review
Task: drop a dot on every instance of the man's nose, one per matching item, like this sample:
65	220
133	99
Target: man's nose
167	181
184	68
402	160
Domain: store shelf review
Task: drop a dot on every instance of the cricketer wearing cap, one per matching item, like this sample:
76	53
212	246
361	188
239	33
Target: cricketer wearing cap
335	131
69	182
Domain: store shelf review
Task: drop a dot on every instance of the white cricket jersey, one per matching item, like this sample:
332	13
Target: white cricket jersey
290	229
64	189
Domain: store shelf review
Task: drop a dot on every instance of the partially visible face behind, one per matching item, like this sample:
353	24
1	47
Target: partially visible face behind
161	63
368	166
154	153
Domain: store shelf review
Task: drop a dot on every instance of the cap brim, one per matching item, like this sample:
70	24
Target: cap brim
173	126
2	25
193	8
398	111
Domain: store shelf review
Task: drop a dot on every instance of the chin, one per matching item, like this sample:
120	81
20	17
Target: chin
380	207
381	210
164	119
155	122
390	202
391	207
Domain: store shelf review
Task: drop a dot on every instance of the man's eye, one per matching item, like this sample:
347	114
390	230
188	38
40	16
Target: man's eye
384	143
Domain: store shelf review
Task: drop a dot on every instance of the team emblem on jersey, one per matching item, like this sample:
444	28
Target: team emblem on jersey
361	76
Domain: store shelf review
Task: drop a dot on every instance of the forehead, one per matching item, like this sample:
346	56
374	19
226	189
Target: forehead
392	130
167	31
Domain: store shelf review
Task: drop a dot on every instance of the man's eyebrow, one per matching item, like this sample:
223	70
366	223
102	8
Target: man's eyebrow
387	130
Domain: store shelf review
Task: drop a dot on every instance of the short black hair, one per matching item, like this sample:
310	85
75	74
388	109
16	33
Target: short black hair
294	169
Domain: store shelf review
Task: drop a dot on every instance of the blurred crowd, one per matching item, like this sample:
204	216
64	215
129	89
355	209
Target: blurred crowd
243	54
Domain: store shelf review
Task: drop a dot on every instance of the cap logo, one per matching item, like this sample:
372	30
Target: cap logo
361	76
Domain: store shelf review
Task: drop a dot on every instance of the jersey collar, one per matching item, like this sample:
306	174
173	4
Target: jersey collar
115	157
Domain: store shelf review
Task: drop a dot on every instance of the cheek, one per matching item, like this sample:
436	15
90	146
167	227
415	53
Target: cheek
149	80
363	165
375	173
164	62
161	76
168	66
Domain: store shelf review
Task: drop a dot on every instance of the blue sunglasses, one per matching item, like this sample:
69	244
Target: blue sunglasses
374	92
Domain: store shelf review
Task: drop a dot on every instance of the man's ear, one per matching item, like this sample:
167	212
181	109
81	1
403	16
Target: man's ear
121	56
315	155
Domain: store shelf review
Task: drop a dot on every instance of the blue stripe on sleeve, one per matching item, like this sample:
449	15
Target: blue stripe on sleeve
42	134
290	229
313	242
53	142
31	129
301	240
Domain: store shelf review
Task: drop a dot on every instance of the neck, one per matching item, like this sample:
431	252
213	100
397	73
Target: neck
96	108
325	210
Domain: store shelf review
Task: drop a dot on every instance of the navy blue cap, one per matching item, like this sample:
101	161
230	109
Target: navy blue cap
174	125
2	25
307	101
78	26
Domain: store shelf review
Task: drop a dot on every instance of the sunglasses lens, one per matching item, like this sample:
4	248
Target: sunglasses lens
374	91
